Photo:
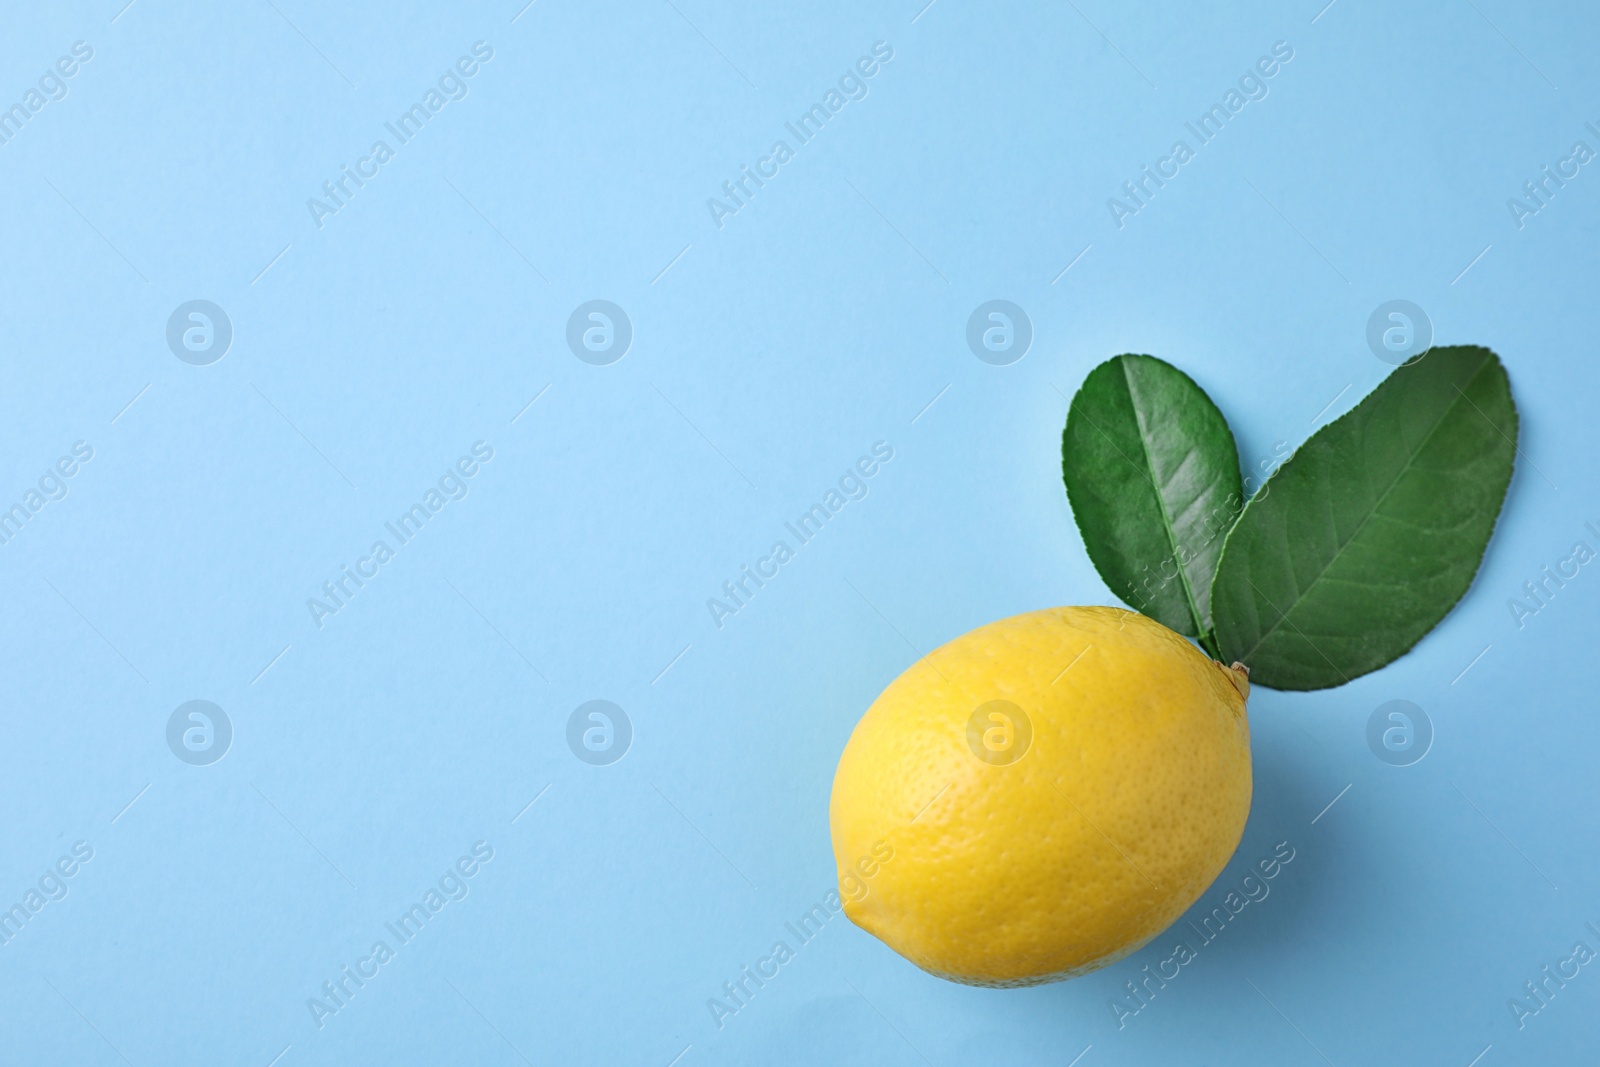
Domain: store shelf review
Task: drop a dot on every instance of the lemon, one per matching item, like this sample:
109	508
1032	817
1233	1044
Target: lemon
1042	796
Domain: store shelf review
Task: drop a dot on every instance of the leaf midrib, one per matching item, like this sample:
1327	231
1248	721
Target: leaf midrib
1376	505
1161	503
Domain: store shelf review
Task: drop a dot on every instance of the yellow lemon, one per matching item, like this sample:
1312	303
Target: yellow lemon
1042	796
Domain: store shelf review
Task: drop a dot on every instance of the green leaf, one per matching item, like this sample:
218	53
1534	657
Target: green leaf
1153	476
1369	534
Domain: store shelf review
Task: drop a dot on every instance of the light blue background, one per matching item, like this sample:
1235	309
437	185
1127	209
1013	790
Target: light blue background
823	317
